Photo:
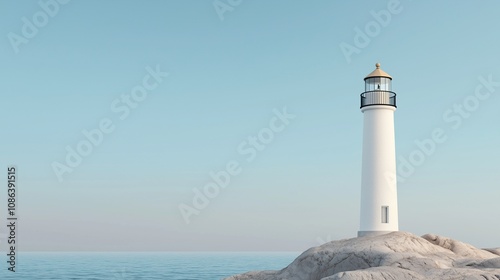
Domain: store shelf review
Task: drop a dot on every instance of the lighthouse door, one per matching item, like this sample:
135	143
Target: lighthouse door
385	214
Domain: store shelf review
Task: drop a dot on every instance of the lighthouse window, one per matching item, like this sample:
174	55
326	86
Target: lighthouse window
385	214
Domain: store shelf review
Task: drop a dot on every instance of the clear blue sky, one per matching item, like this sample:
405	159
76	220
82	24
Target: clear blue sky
225	79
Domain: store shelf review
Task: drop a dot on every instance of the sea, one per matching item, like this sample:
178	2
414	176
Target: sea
132	266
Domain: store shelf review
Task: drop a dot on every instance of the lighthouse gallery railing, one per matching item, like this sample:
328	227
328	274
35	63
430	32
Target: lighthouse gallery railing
378	97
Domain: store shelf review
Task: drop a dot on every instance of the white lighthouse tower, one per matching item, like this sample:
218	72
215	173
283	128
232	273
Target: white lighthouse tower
379	200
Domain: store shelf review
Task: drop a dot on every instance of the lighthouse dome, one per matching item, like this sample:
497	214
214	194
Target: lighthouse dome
378	73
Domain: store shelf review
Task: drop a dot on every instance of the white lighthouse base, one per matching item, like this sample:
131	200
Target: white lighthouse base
372	233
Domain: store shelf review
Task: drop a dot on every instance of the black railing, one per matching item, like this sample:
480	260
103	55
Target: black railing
378	97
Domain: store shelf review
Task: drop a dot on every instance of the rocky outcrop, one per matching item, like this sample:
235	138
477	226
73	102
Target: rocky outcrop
397	255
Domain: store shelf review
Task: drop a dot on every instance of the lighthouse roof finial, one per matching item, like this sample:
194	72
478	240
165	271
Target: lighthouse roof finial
378	73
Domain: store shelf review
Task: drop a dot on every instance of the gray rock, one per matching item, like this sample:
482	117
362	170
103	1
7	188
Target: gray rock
495	251
457	247
376	273
475	263
397	255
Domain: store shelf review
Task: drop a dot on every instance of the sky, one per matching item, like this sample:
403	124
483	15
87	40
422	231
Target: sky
235	125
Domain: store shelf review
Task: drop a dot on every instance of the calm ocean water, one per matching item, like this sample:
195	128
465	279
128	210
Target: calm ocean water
132	266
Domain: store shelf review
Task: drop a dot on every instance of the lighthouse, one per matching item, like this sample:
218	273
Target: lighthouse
379	200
